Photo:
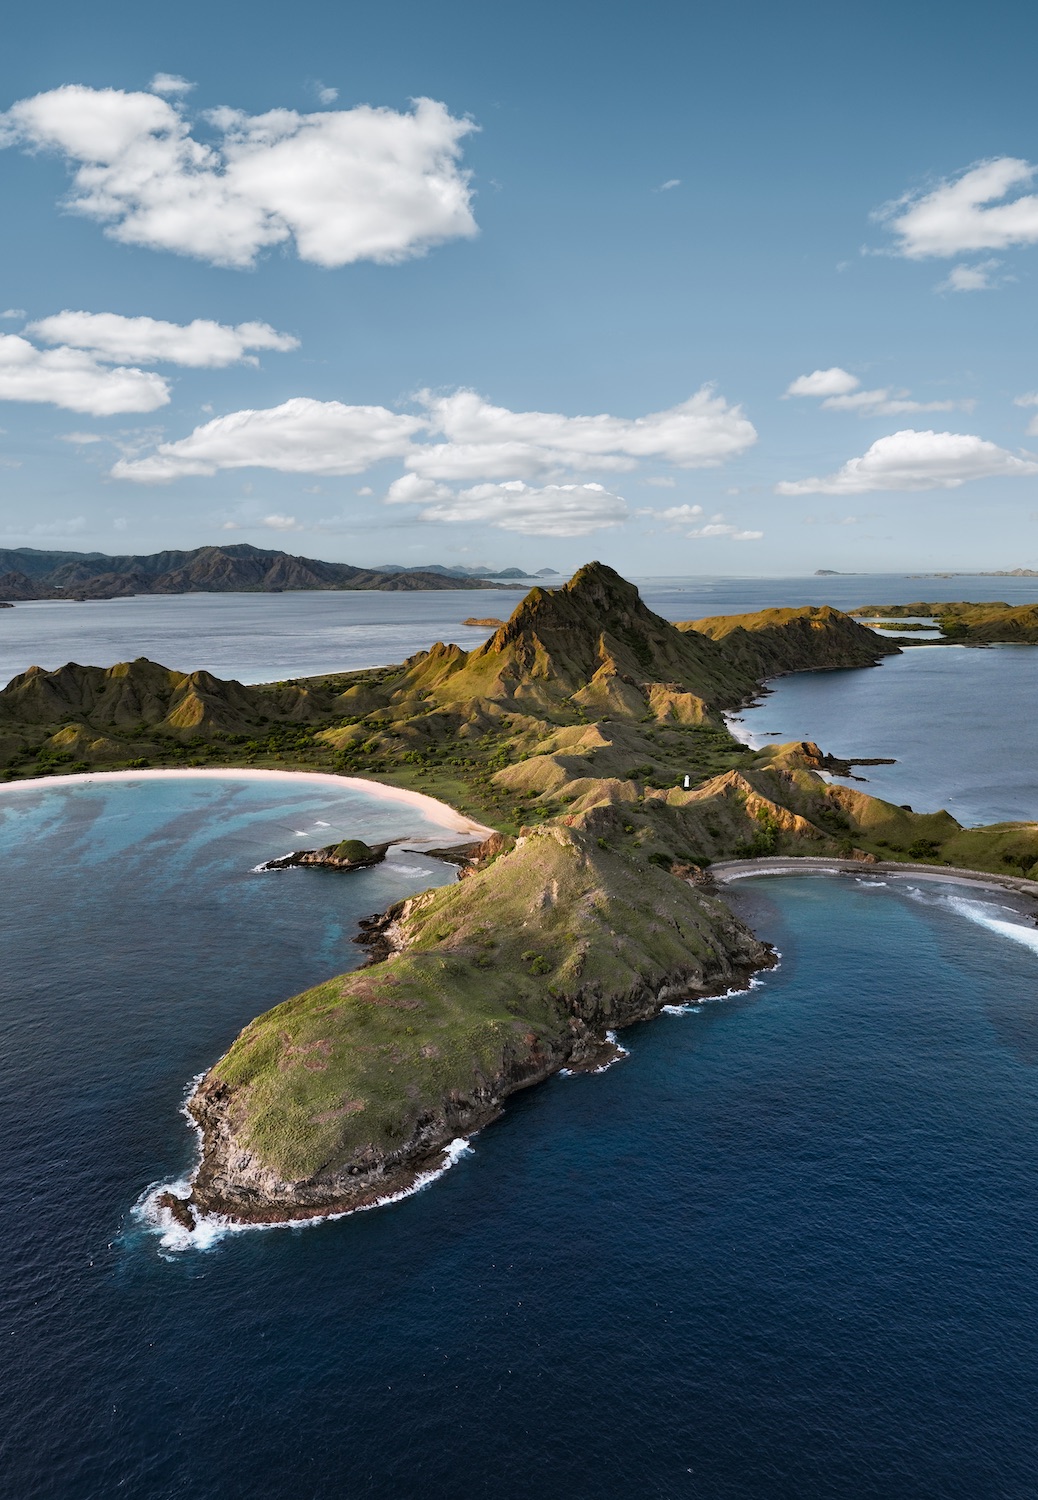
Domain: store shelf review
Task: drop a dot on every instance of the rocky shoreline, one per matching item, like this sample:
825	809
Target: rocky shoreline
232	1183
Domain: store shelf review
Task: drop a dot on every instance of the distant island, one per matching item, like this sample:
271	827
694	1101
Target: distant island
27	573
963	623
587	736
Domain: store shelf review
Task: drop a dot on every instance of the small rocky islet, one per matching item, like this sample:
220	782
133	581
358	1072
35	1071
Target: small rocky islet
589	732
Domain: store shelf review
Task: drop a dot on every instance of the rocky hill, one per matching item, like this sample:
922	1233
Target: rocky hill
28	574
815	638
588	732
968	624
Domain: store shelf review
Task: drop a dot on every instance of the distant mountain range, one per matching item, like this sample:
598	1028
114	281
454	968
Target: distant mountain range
27	573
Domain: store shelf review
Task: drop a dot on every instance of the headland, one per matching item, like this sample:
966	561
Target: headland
588	734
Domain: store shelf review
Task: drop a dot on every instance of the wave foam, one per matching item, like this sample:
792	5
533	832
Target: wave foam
210	1229
984	916
694	1007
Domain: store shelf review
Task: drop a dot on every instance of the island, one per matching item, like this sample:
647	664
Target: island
963	623
588	734
28	573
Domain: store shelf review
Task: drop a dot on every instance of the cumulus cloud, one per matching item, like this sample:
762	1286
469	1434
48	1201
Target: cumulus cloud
491	442
831	382
344	185
721	527
325	95
75	380
301	436
171	85
483	442
841	393
201	344
281	523
980	209
911	460
561	510
13	313
675	515
980	277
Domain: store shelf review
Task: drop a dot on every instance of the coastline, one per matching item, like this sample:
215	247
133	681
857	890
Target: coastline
436	811
724	872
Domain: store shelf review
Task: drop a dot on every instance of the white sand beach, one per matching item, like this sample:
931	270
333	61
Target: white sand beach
430	807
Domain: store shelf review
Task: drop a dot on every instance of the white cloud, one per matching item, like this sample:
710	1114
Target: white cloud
888	403
170	84
82	439
722	528
662	482
671	182
976	278
281	523
73	379
841	393
967	213
346	185
912	460
491	442
13	313
302	436
326	95
832	382
201	344
675	515
1030	399
561	510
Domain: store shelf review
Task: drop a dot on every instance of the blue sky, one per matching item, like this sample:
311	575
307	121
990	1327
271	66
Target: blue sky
657	217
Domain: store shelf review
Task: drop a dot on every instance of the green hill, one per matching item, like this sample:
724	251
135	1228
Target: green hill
571	731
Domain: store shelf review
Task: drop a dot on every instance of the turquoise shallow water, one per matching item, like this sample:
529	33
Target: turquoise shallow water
785	1248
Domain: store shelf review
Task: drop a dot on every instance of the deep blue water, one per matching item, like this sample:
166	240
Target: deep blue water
266	637
786	1248
958	721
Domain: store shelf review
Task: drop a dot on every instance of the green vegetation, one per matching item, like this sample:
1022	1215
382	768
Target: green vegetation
351	849
969	624
571	731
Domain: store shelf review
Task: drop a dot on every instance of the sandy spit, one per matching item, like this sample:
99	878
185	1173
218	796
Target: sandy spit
728	870
434	810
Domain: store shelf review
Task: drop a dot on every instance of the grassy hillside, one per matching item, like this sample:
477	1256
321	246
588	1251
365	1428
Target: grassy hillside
572	730
969	624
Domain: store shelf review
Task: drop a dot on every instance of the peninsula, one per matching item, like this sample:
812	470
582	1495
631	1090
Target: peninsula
589	733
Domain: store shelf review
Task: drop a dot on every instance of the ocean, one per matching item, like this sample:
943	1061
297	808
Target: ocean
957	720
784	1248
267	637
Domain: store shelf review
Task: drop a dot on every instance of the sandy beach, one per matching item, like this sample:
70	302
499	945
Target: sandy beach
725	871
430	807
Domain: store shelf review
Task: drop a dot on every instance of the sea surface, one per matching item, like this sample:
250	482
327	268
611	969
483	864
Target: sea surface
267	637
785	1248
958	720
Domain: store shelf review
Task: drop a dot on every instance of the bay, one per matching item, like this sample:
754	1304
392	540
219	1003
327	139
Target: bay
959	721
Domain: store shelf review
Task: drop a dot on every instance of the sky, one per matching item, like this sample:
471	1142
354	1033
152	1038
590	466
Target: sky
691	289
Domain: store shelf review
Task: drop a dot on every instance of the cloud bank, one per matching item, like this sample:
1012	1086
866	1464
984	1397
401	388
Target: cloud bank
977	210
301	436
342	185
465	459
912	460
201	344
841	392
75	380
